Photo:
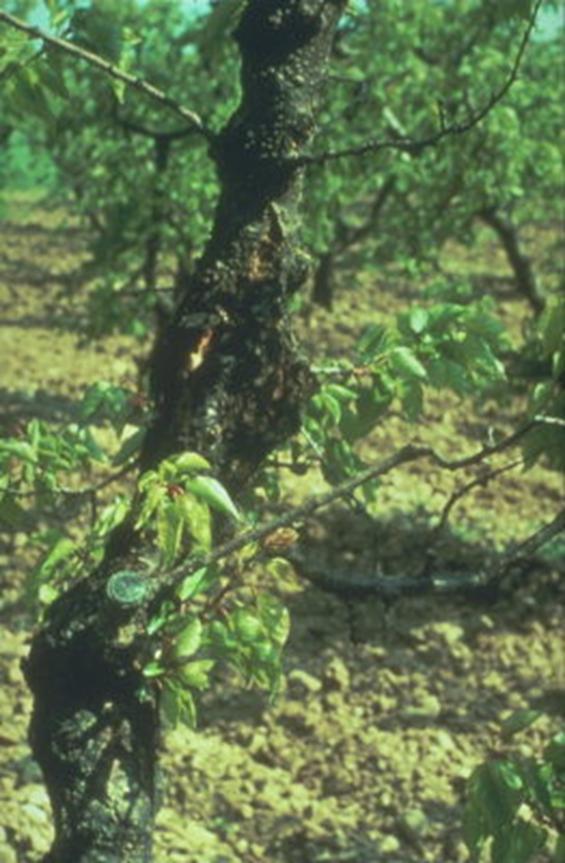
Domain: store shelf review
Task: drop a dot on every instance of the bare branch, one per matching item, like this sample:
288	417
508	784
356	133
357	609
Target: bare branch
415	146
482	480
194	121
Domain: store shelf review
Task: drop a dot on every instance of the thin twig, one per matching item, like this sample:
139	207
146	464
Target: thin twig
86	491
416	146
154	93
481	480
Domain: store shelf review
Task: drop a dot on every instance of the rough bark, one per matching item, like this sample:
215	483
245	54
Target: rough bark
227	381
524	276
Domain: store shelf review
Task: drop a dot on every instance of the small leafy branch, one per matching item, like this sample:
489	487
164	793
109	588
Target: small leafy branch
516	803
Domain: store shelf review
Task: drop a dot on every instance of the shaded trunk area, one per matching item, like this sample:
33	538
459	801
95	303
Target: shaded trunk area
524	276
228	382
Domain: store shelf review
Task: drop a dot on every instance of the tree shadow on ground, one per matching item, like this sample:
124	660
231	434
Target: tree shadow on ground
19	406
325	622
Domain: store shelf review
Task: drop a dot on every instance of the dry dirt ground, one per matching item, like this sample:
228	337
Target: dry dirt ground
387	709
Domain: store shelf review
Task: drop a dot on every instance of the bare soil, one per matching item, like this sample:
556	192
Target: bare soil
387	708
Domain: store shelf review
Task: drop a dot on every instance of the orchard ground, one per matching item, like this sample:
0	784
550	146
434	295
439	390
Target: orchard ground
386	709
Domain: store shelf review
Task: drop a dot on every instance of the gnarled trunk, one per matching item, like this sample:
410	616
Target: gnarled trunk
227	381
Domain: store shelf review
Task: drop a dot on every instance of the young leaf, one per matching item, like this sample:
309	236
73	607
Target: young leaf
407	363
178	704
210	490
170	525
153	669
247	626
190	462
197	583
189	639
196	674
196	515
130	447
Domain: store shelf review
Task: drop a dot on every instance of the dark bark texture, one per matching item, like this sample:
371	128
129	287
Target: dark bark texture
228	382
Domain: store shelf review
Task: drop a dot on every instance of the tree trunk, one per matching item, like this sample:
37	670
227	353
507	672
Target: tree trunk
228	382
520	263
345	237
323	290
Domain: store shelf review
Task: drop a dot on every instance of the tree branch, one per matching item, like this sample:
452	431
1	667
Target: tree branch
416	146
194	121
169	580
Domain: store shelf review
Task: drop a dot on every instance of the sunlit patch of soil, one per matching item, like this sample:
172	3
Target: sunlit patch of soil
387	707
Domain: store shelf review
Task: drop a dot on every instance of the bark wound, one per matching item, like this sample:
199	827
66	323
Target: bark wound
229	380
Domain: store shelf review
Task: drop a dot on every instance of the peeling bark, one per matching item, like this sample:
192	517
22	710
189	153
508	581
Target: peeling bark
229	382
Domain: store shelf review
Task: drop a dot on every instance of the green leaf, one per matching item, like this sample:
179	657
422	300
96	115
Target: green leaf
373	342
407	364
275	618
197	583
178	704
189	639
518	721
555	753
475	829
246	625
130	447
196	516
560	849
19	449
536	782
210	490
196	674
518	843
492	791
189	462
155	496
170	525
412	400
418	319
61	550
341	393
153	669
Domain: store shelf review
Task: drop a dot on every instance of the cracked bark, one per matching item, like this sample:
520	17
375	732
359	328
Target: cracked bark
229	382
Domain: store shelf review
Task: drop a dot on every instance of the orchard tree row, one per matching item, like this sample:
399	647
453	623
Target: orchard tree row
221	160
